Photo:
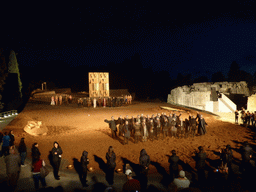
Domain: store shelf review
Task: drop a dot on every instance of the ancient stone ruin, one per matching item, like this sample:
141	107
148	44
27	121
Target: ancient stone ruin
213	97
251	104
35	128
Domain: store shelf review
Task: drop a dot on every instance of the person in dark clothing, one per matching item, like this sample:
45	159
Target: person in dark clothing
56	159
165	127
187	127
6	144
236	116
121	122
226	158
12	162
201	125
111	165
157	127
197	116
126	132
84	162
173	126
174	168
246	152
35	153
247	118
200	164
23	151
1	137
181	128
112	125
193	125
151	129
137	132
144	164
12	139
114	102
178	119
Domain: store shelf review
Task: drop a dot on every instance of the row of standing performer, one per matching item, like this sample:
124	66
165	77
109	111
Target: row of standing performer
104	101
59	99
92	102
151	128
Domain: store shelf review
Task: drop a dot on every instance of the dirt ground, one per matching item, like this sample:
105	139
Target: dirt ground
77	129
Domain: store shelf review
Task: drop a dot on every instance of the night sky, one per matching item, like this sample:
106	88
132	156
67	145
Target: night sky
174	36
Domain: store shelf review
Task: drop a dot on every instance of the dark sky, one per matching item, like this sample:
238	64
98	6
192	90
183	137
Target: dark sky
175	36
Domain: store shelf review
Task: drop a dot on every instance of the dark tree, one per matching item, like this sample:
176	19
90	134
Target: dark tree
13	67
3	75
234	72
244	76
162	84
201	79
218	77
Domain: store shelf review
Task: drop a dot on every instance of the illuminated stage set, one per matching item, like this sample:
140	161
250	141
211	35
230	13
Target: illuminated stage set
81	128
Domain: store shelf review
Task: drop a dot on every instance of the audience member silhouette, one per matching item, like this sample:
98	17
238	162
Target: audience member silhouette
84	162
131	184
174	168
246	152
144	167
23	151
200	164
6	144
181	182
13	162
36	166
12	139
111	165
35	153
56	159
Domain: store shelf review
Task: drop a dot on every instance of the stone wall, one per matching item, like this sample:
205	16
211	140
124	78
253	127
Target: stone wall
251	103
199	95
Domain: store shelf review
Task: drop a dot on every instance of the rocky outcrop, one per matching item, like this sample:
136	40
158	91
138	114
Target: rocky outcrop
35	128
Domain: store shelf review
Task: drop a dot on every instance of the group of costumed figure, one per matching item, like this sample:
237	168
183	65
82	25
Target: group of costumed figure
92	102
104	101
146	127
59	99
248	118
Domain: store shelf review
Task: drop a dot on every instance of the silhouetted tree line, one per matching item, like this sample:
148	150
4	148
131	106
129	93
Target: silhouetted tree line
130	74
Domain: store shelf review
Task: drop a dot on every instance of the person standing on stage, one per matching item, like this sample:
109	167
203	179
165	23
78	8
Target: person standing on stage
201	125
112	125
126	132
236	116
144	131
137	134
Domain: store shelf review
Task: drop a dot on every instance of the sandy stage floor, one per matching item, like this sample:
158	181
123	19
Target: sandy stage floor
77	129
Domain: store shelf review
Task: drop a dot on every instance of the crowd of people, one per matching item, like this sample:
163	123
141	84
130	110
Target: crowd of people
105	101
248	118
143	128
92	102
15	158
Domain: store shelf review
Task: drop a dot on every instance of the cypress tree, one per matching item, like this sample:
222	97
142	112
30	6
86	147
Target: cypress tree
3	75
13	67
